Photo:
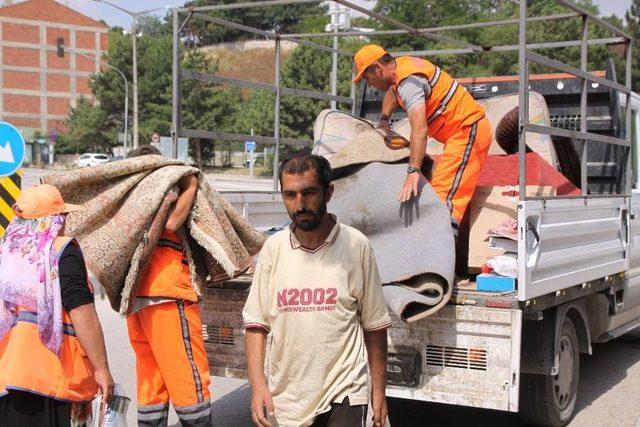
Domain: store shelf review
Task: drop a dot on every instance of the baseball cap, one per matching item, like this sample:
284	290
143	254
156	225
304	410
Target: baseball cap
41	201
365	57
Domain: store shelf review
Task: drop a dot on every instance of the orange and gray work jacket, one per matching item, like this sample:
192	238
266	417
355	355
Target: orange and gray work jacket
167	274
449	107
27	365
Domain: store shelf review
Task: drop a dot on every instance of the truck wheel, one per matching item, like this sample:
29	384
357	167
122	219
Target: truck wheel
549	400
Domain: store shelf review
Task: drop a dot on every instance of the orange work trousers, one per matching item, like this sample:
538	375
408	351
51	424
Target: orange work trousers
171	364
458	169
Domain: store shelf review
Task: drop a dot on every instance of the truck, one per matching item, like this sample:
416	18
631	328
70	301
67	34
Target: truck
578	257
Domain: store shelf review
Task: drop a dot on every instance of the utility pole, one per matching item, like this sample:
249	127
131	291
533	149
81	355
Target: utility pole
335	10
134	38
60	53
134	34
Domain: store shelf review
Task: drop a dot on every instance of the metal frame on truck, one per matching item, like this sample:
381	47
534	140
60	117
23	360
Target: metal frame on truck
578	256
526	57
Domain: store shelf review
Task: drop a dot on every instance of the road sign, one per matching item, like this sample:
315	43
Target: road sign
12	149
9	193
250	146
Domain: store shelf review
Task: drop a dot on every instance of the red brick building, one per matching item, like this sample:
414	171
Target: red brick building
38	87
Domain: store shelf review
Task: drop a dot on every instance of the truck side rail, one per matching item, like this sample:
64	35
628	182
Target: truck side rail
569	242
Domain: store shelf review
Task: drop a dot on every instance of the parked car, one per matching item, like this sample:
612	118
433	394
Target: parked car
92	159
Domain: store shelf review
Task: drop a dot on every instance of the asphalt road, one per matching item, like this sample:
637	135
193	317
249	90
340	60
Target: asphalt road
608	393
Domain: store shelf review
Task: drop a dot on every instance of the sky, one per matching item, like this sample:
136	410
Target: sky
114	17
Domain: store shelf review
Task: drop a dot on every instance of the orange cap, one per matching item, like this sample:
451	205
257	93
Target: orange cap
42	201
365	57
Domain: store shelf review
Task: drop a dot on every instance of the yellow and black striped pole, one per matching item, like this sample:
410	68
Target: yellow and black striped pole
9	193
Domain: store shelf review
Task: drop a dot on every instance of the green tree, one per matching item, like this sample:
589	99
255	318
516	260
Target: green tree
434	13
285	18
205	105
152	26
633	27
87	130
305	69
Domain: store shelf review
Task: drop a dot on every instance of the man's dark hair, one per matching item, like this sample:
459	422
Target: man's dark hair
384	60
143	150
301	163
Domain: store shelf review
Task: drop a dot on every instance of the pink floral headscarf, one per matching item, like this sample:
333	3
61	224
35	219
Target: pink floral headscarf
29	277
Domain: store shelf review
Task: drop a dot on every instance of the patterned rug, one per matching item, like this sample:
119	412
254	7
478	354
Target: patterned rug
126	206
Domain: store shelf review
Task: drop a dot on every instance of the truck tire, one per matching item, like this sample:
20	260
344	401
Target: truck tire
549	400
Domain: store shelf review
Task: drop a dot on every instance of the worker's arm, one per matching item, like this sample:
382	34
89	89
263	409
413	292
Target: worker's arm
389	105
417	149
376	343
188	186
89	332
261	400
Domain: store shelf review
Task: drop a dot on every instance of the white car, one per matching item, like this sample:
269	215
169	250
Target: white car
92	159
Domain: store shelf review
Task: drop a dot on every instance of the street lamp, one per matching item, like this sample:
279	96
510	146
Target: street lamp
134	35
62	48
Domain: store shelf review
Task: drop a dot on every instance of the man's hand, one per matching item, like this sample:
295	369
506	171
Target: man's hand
376	343
261	403
105	384
385	126
379	407
410	187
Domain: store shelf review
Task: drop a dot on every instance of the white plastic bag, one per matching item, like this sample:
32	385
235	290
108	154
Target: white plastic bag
504	265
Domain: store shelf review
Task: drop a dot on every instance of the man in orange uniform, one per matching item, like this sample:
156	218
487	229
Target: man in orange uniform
165	328
439	108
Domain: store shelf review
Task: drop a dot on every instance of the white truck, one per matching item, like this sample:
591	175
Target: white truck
578	284
578	257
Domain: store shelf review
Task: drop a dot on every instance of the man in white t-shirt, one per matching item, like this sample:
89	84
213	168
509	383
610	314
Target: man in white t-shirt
317	293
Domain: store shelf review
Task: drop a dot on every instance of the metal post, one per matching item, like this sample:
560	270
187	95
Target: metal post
628	132
353	92
334	72
523	98
175	105
334	55
276	125
251	160
126	114
134	36
126	90
584	184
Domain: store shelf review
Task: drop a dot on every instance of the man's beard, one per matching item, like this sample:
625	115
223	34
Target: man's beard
309	224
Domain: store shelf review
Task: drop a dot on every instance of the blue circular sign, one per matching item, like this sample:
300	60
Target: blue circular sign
12	149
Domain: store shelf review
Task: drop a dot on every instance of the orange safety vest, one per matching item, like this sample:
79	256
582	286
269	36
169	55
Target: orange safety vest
449	108
27	365
167	273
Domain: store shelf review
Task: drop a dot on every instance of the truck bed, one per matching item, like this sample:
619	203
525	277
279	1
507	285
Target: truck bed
223	327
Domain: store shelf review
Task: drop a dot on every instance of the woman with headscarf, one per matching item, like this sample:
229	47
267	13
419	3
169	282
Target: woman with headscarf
53	359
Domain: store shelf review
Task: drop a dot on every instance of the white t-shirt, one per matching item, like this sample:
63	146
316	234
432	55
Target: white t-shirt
316	305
